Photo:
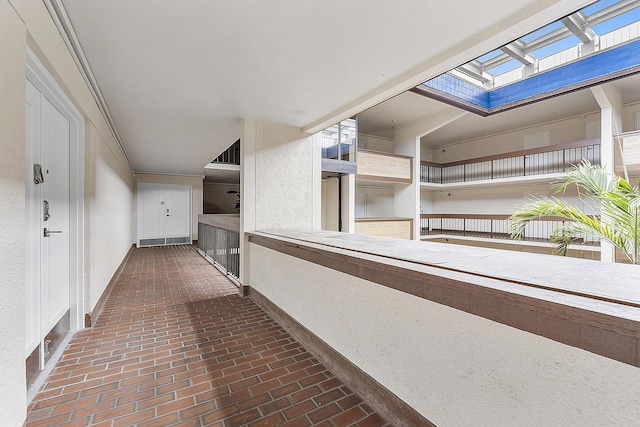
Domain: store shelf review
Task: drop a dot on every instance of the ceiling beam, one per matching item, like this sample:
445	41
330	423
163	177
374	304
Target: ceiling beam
517	51
577	24
474	70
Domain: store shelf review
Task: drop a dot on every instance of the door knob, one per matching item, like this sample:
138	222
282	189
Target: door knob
48	233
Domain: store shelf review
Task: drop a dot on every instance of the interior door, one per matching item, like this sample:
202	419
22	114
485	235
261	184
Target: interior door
330	204
47	296
55	226
178	211
164	214
152	212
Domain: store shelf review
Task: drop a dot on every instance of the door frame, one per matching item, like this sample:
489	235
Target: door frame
38	75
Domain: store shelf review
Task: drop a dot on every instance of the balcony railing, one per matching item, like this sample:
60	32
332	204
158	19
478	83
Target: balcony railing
491	227
219	244
552	159
381	166
230	156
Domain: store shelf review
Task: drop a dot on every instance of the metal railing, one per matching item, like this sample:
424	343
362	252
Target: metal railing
553	159
229	156
491	227
222	246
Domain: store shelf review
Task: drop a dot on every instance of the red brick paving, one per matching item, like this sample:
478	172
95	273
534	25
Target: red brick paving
177	346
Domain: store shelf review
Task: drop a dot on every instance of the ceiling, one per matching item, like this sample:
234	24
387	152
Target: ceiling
179	77
410	107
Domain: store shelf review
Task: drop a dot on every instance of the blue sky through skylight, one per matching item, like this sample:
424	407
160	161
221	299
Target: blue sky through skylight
542	31
597	7
540	36
503	68
556	47
618	22
490	55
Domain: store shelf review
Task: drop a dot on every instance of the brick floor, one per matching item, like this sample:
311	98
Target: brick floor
177	346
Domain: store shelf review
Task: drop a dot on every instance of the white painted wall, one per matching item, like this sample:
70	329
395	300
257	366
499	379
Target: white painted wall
558	132
569	130
492	200
12	216
455	368
109	213
216	200
196	183
375	143
379	200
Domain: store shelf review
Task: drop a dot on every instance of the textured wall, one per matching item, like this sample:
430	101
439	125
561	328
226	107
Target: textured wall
284	181
109	214
12	216
454	368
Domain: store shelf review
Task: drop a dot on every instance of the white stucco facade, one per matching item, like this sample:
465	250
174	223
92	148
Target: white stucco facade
454	368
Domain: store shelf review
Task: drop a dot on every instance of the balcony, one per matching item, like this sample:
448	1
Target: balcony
493	231
400	228
631	148
524	163
528	339
386	167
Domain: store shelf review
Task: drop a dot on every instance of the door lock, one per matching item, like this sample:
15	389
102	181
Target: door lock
46	211
48	233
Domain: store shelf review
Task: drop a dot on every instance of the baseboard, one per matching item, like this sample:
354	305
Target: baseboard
387	404
91	318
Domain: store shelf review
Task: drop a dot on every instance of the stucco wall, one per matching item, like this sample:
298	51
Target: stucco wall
12	216
284	152
455	368
109	218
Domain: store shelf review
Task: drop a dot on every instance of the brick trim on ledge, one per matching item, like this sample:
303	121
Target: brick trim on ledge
574	320
387	404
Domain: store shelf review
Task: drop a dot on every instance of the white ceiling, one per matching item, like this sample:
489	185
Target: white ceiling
179	76
410	107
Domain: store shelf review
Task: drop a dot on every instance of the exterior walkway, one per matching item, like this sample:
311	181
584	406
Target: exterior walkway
177	346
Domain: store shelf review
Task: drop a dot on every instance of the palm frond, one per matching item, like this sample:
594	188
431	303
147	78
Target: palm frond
619	205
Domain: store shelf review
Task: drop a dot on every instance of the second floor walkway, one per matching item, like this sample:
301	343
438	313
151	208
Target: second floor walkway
176	345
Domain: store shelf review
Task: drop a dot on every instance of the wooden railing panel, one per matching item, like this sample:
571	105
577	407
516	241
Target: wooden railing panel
400	228
631	149
384	166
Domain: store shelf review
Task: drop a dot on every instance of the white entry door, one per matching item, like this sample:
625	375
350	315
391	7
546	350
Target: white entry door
48	230
164	214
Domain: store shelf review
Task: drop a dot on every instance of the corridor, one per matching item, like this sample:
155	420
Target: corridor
177	346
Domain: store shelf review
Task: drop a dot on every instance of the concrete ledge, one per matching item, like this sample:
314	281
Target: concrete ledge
605	322
390	406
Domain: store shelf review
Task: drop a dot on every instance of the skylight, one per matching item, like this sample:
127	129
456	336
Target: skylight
599	26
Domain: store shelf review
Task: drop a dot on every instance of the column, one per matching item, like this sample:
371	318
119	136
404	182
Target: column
407	142
280	182
610	102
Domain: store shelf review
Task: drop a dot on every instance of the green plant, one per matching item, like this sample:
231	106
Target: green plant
237	204
617	201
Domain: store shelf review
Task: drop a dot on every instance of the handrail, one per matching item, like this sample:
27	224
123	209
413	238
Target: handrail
489	216
528	152
494	226
384	153
220	244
